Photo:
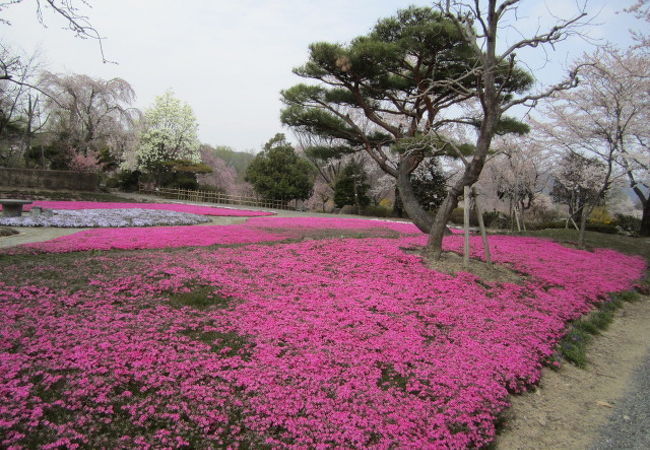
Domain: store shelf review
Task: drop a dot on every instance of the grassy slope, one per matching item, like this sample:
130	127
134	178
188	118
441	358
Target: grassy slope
624	244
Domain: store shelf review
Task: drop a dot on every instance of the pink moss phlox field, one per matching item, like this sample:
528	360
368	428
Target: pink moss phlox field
331	223
193	209
337	343
254	230
556	269
153	237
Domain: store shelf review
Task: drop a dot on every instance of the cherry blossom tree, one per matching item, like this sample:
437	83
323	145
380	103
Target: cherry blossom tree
517	174
481	24
607	116
381	188
641	9
223	177
581	183
321	195
90	115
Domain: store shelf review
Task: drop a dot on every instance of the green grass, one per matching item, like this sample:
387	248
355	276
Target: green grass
199	297
235	344
573	346
390	378
624	244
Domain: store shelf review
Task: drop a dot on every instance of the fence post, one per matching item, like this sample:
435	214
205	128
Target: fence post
466	226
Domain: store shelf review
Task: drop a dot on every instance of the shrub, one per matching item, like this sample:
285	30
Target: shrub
602	228
377	211
627	223
351	187
125	180
183	181
457	217
494	219
597	227
600	216
546	225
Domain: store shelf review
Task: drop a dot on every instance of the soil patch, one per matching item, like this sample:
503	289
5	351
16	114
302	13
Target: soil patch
571	405
452	263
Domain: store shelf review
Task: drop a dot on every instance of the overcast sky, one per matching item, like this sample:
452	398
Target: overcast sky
230	59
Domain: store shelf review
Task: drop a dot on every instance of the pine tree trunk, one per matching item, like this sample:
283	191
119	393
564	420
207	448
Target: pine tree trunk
470	176
466	226
398	207
411	205
490	103
440	223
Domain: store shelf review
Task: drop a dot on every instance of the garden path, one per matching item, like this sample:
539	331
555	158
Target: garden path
578	408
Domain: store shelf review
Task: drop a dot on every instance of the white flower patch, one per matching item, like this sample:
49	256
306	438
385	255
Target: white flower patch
88	218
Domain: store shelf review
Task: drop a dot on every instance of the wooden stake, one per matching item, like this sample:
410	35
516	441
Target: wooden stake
517	219
466	226
481	225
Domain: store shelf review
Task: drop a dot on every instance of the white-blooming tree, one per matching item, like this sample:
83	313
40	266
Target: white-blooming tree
641	9
581	183
517	174
169	133
607	116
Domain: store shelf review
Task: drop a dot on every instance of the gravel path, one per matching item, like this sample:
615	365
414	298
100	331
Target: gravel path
629	424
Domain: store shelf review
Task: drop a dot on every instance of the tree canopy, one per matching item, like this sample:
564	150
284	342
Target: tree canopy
351	187
278	173
387	93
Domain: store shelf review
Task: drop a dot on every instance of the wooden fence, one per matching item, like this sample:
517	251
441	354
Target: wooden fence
214	197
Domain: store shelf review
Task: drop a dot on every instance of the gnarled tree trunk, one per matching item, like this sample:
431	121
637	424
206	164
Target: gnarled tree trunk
410	203
420	217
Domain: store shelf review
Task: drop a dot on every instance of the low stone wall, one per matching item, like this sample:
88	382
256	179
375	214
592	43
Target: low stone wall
49	179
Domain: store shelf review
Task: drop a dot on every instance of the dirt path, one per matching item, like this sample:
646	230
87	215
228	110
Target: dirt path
27	235
572	405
